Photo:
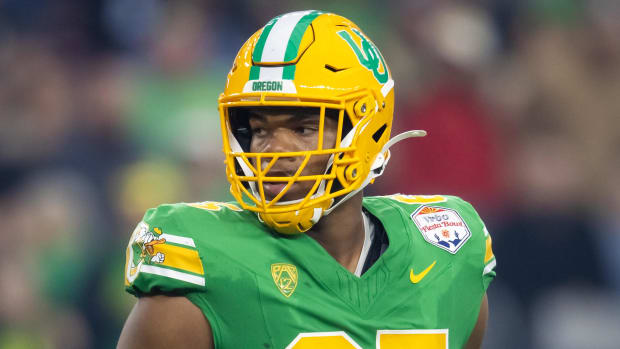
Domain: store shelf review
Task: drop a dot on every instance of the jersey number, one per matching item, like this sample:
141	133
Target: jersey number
386	339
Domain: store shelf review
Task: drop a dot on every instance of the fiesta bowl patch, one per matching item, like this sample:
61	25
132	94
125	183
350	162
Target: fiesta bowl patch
442	227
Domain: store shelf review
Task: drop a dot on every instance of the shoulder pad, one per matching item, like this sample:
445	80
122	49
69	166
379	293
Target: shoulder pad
452	224
161	256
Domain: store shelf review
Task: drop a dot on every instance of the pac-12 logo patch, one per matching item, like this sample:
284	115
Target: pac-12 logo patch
442	227
285	277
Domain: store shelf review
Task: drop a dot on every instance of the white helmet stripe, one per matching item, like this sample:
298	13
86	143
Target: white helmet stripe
277	41
271	73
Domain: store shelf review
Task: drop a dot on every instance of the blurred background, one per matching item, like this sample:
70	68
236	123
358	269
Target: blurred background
108	107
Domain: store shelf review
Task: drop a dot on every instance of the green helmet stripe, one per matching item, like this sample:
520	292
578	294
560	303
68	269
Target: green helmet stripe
292	48
254	72
259	46
283	36
260	43
288	73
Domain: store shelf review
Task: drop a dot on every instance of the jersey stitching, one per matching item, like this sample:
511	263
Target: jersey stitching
262	307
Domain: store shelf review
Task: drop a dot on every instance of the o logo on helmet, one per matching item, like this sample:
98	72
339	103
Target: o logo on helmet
368	54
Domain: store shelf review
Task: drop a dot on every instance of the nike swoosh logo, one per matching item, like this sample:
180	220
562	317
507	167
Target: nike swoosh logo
415	278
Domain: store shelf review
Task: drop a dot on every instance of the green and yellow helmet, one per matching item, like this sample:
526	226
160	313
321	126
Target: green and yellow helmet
310	59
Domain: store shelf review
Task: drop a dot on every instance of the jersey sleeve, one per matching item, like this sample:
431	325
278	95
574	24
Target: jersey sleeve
161	257
487	262
488	273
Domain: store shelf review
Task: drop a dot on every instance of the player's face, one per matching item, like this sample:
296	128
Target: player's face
287	131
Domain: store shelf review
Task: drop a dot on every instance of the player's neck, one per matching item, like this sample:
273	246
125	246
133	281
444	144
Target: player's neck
341	233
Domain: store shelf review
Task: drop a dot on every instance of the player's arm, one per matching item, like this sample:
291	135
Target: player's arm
165	322
475	339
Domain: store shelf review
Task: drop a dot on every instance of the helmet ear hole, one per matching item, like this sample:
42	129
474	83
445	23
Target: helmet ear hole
377	135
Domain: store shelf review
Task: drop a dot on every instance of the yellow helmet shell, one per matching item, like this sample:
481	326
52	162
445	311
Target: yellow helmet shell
310	59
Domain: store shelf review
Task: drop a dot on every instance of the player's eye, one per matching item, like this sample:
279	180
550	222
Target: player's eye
258	131
306	130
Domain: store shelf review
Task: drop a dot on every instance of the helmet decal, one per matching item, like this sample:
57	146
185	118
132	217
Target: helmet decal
368	55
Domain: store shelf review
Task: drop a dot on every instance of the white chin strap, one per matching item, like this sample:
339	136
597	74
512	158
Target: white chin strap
378	166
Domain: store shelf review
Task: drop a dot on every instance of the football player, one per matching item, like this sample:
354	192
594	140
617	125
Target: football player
302	259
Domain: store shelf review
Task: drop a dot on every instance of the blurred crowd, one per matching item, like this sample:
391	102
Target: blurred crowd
109	107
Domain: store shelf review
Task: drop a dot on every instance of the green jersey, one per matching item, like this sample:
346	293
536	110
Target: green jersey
259	289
